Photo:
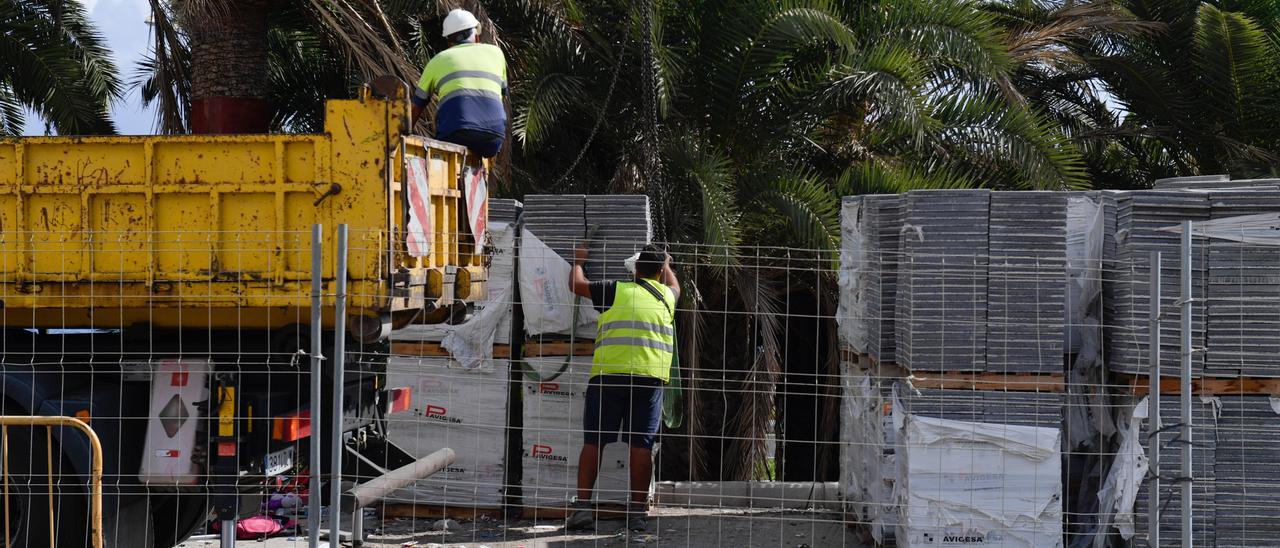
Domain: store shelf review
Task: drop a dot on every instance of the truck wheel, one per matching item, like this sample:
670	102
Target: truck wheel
129	524
178	516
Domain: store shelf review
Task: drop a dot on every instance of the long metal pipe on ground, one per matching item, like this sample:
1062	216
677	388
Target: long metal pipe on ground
374	490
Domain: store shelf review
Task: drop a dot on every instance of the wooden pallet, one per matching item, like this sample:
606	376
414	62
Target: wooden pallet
532	348
958	380
1140	385
1012	382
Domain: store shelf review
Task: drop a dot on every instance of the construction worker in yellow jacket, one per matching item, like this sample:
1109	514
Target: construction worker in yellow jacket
470	80
635	344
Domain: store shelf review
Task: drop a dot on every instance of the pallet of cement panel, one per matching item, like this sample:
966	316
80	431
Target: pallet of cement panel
504	210
558	220
1243	291
1203	459
1042	409
1142	218
1247	487
1026	281
941	303
624	225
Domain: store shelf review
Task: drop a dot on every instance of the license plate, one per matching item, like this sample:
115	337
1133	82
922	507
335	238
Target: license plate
279	462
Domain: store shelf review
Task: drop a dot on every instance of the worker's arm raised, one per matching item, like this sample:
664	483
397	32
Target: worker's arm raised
669	278
578	281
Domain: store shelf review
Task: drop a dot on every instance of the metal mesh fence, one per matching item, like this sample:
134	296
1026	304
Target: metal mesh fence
972	382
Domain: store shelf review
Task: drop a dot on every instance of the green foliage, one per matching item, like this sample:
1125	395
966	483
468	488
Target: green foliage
53	62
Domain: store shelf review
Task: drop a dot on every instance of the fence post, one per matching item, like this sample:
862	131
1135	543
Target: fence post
317	286
1153	409
339	364
1185	385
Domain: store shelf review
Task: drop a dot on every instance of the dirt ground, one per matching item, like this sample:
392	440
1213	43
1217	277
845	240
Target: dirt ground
737	528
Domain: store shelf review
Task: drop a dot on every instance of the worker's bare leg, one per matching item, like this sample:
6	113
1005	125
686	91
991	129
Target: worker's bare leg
588	468
583	515
641	472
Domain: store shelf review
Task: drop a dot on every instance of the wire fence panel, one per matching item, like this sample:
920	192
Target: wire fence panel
966	368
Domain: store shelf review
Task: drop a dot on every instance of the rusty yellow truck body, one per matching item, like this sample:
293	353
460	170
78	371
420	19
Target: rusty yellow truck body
214	230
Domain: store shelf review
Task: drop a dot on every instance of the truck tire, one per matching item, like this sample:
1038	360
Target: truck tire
129	523
178	516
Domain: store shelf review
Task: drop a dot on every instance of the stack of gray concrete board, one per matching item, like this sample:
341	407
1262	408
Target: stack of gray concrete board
557	220
1243	306
869	301
1026	300
1203	457
941	302
1247	487
623	226
1040	409
884	221
1194	181
1141	222
504	210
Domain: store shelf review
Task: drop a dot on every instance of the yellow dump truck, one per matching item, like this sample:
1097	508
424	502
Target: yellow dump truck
159	288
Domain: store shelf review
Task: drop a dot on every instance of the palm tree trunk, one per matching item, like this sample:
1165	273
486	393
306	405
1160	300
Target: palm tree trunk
229	65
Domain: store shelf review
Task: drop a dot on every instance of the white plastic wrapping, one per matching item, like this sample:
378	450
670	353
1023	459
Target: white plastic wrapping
464	410
545	296
1260	229
1128	468
851	310
1084	264
978	484
866	464
553	437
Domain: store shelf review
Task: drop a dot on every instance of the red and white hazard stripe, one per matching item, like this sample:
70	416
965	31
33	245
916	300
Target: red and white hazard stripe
477	205
417	230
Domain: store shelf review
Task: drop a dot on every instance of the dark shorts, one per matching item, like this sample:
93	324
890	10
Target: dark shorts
627	404
481	143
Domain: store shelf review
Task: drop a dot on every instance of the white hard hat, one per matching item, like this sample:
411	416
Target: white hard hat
459	20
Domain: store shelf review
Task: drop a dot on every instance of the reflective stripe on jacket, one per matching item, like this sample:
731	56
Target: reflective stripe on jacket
637	334
470	80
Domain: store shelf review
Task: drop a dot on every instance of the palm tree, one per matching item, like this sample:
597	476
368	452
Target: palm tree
53	62
1152	90
770	112
255	65
744	120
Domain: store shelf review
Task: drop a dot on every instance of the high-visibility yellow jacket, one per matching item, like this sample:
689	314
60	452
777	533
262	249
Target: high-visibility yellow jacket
637	334
470	80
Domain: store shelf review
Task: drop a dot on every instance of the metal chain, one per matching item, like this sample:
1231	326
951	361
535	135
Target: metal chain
652	163
604	110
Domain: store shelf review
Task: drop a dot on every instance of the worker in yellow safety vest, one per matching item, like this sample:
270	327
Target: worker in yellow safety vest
635	344
470	81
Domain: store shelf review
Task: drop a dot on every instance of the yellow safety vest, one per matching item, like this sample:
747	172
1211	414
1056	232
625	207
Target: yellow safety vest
637	334
466	69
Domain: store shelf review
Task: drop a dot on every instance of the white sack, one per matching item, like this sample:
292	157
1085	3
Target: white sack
463	410
979	484
553	437
545	294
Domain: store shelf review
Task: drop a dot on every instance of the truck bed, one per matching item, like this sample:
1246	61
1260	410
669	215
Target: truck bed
214	231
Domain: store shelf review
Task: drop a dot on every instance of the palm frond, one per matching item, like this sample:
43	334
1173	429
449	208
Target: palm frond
52	61
1013	147
810	209
163	75
1232	54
